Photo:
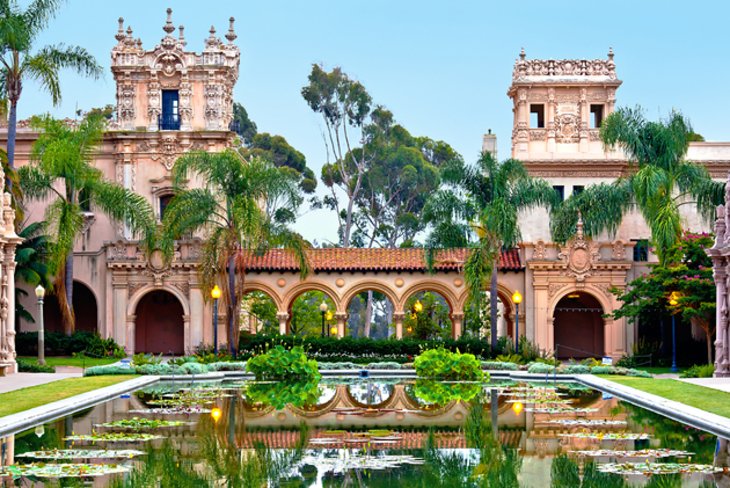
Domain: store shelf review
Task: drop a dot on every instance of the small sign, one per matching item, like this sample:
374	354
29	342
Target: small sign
364	373
125	395
607	361
606	396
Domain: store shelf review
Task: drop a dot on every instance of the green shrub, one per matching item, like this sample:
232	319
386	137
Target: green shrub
227	366
142	359
499	366
699	371
59	344
442	364
193	368
541	368
157	369
299	392
26	366
575	369
107	370
509	358
283	364
441	393
603	370
638	373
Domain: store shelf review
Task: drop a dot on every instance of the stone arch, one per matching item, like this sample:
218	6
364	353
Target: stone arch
251	322
454	304
363	287
275	296
160	324
134	300
305	286
578	333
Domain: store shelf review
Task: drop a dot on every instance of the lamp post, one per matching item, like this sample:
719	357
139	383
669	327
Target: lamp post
40	293
330	330
215	293
323	308
517	299
674	301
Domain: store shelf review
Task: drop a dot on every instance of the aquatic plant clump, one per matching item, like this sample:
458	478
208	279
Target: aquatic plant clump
137	423
649	469
113	437
559	410
181	410
586	422
283	364
43	470
64	454
442	364
643	453
608	436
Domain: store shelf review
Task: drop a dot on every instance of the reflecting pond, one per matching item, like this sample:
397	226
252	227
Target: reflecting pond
365	433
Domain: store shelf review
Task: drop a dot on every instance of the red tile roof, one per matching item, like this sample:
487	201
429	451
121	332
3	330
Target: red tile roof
372	259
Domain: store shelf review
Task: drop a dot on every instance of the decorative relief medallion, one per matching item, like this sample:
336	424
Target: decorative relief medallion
281	282
458	282
567	128
399	282
340	282
579	255
540	251
618	252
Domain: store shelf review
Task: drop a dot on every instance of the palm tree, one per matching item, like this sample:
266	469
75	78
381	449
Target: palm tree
660	182
478	209
18	31
61	174
245	206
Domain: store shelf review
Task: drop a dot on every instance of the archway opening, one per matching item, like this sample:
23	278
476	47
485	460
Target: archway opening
428	316
85	308
477	316
258	313
159	326
370	314
309	317
579	326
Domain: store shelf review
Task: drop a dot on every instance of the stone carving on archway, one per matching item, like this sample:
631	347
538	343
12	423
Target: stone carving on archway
580	255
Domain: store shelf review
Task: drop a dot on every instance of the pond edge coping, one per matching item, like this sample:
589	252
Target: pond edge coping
26	419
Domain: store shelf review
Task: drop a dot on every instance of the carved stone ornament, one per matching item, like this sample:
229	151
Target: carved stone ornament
579	255
540	251
567	127
554	288
618	252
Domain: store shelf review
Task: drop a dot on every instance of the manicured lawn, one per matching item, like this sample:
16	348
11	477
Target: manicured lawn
659	369
35	396
81	362
708	399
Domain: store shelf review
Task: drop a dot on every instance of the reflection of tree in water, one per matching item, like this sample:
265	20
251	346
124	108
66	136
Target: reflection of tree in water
370	392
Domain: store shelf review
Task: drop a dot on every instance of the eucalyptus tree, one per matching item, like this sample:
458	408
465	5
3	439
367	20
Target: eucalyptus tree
242	207
19	62
660	181
478	208
61	175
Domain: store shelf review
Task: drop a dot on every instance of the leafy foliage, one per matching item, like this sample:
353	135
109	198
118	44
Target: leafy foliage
441	393
283	364
661	181
25	366
432	322
442	364
699	371
245	207
31	264
58	344
279	394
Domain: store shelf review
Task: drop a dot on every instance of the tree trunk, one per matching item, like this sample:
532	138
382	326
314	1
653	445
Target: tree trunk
493	303
232	347
68	318
12	130
368	314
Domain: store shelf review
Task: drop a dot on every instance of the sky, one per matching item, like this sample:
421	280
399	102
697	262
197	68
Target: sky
442	67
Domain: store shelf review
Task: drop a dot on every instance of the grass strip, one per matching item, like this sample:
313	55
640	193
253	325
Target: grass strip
702	397
80	362
35	396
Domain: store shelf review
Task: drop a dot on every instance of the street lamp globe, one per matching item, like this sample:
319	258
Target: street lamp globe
215	293
517	297
40	292
323	306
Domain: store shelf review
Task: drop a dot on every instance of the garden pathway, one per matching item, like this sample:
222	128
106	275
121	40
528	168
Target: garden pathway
722	384
23	380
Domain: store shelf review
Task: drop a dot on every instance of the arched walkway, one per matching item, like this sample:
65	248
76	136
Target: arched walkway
85	310
579	326
306	318
370	314
159	325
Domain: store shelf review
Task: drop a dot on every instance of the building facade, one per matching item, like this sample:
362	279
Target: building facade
171	100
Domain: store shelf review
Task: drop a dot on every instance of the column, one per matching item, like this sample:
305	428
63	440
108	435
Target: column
720	313
457	318
341	318
198	320
283	318
398	319
119	314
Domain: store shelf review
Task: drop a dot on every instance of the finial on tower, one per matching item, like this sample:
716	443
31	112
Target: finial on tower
579	226
231	35
181	30
610	53
120	32
522	54
169	28
129	32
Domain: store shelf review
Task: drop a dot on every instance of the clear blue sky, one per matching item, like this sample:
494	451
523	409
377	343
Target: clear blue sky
442	67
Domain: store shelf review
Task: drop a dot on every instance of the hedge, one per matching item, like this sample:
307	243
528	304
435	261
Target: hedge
321	347
59	344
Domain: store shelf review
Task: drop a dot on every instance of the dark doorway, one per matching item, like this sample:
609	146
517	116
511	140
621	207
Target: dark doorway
85	310
159	327
578	327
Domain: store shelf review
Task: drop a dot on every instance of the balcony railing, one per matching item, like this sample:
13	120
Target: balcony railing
169	122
